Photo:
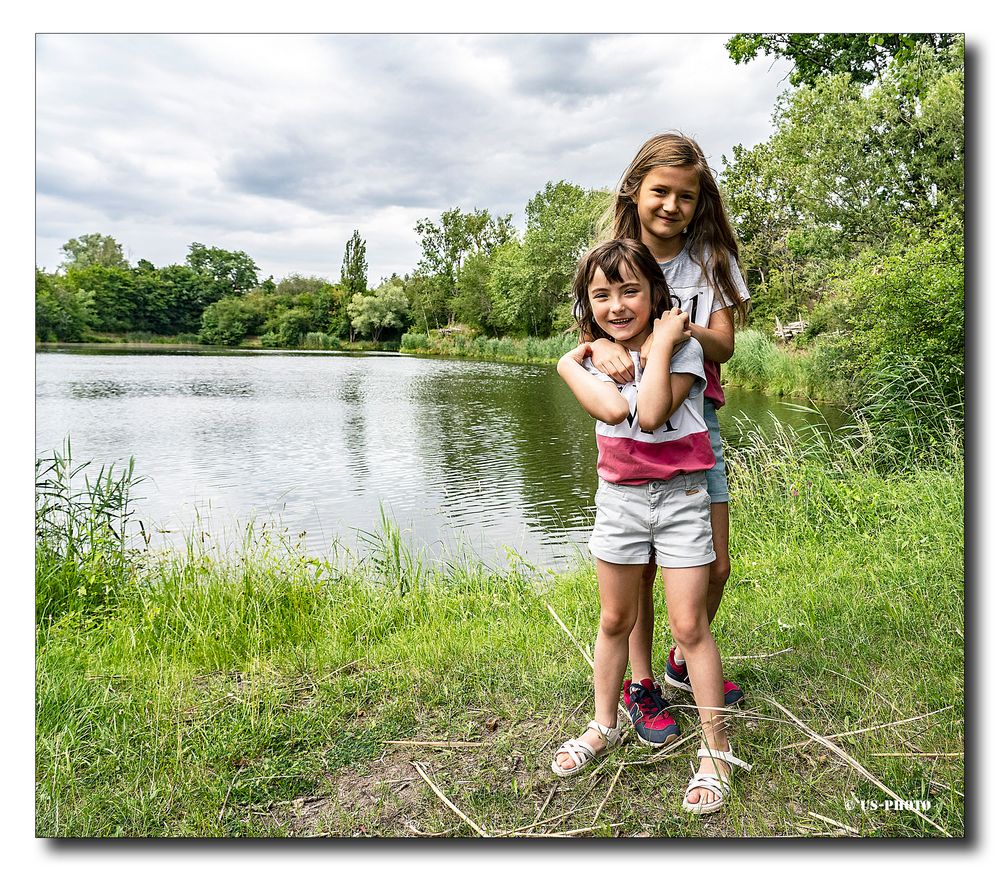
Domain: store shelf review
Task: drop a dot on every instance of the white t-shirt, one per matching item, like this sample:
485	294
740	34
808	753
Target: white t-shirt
687	281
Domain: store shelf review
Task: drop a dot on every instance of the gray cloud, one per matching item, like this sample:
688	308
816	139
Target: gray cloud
281	145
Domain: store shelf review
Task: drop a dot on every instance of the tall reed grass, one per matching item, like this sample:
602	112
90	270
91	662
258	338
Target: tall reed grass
506	348
83	534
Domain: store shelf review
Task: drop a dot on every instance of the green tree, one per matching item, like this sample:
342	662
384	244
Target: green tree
510	288
354	271
445	244
187	293
93	249
561	223
848	167
530	280
472	303
385	308
63	312
234	271
113	292
863	56
227	321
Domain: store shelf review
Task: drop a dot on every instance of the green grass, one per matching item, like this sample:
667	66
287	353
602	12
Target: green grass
257	696
759	364
525	349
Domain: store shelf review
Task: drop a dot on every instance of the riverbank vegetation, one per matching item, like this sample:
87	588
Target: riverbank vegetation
270	692
850	218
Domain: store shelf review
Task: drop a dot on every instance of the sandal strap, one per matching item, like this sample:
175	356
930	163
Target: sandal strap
723	756
612	735
720	786
579	751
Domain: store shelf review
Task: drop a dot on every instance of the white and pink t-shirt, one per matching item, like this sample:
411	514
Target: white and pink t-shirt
627	454
687	281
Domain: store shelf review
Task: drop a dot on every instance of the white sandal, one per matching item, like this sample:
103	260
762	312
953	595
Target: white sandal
582	753
714	781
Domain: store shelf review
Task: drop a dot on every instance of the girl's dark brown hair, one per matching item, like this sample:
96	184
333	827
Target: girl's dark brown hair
711	236
609	257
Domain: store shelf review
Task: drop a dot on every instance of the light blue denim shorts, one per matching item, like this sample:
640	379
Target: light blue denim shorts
671	520
718	483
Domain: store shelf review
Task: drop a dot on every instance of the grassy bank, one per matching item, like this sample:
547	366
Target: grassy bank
275	694
143	341
512	349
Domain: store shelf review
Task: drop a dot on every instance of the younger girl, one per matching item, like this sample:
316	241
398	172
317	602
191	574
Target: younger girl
653	451
668	198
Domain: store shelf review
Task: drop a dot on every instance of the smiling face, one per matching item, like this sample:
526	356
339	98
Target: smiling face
666	203
623	309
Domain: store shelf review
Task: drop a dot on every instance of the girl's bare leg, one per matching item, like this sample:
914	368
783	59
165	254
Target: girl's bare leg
640	641
718	571
686	591
618	586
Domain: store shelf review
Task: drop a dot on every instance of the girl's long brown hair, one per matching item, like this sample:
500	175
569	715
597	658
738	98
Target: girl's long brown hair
710	234
610	256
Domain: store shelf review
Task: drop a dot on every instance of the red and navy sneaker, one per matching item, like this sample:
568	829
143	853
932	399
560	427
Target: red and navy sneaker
653	725
677	676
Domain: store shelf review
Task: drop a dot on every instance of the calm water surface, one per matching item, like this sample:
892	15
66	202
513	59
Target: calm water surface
463	455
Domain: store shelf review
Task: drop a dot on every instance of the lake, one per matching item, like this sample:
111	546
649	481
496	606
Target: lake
463	456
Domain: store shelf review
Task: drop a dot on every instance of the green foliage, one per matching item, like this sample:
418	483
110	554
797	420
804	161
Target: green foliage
907	303
234	271
290	327
530	280
63	312
521	349
863	56
472	303
851	219
384	309
354	271
83	556
320	342
226	322
93	249
113	292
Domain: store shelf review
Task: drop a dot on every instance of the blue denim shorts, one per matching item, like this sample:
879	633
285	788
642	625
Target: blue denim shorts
718	484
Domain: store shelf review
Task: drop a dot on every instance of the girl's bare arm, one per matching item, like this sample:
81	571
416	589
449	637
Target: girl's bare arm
599	399
718	339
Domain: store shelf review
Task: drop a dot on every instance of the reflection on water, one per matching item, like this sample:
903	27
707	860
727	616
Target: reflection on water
461	454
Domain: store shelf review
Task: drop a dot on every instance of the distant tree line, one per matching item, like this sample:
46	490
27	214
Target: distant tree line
850	216
474	270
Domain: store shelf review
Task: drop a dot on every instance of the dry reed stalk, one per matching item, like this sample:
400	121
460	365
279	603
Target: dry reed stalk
869	728
441	744
568	834
760	655
607	795
520	830
541	810
579	647
850	760
444	798
919	754
586	656
843	826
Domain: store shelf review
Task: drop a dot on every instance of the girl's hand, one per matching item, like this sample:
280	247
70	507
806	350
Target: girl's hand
613	360
672	326
579	353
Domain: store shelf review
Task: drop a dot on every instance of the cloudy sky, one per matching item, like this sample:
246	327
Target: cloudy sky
282	145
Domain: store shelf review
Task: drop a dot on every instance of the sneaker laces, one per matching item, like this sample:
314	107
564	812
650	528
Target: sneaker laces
644	699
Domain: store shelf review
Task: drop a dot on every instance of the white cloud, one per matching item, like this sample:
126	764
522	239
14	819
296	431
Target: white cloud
282	145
